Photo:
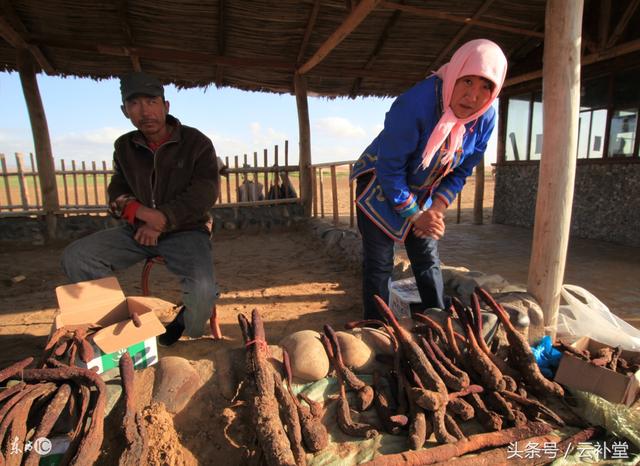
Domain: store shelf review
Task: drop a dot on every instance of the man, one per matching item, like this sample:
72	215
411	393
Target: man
164	183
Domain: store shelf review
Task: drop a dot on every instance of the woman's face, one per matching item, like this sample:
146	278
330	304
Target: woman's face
470	93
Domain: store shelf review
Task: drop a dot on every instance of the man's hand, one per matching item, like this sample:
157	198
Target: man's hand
152	218
147	236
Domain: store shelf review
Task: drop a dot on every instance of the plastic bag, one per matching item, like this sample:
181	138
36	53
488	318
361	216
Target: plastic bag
585	315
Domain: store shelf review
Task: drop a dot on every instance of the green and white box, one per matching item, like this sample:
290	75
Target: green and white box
102	302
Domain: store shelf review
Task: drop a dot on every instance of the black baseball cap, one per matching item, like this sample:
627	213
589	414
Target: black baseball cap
140	83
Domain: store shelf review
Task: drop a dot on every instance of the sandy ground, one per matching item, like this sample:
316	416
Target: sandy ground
285	275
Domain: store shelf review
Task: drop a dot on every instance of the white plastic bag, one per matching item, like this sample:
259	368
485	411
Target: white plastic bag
582	314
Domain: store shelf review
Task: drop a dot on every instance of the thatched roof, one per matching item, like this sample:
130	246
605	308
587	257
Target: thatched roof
258	44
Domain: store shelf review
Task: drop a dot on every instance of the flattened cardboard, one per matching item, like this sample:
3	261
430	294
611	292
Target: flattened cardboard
610	385
123	334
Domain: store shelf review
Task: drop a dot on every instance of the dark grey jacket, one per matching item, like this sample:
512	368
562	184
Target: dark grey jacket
181	179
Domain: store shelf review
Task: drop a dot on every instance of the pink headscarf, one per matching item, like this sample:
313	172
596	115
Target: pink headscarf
479	57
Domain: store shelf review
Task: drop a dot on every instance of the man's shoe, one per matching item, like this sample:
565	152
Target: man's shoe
174	330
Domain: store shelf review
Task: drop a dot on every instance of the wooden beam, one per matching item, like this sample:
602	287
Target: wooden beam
14	32
161	54
123	17
221	42
604	22
311	22
352	21
304	130
561	106
622	24
622	49
185	56
430	13
435	64
391	22
41	140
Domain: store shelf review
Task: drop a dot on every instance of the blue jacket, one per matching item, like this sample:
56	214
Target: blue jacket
399	187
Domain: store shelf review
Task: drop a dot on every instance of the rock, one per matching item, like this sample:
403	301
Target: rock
377	340
356	354
229	226
525	314
229	369
17	279
309	361
176	382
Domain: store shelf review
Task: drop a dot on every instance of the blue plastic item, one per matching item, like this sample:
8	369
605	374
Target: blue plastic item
547	357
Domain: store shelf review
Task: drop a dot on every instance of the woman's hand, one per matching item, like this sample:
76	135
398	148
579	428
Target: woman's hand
430	223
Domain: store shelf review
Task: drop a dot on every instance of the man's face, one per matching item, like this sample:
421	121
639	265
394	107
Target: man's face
147	113
470	94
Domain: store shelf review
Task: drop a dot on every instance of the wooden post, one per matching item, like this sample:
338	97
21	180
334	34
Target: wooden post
300	84
75	183
334	195
64	183
226	162
352	204
459	207
6	180
266	174
561	90
105	182
24	193
42	143
321	188
276	174
84	183
95	183
478	197
34	177
314	182
235	160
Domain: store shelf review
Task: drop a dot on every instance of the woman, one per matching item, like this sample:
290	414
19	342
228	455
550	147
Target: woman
433	136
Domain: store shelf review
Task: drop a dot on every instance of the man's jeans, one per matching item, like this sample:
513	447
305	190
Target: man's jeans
377	264
187	254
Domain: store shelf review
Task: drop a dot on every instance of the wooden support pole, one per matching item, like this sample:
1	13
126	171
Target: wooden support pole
561	90
478	198
42	143
300	83
235	164
459	207
84	183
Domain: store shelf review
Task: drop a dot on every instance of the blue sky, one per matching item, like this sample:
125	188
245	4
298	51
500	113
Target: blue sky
84	119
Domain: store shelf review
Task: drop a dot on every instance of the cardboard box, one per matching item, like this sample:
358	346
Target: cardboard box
102	302
402	294
610	385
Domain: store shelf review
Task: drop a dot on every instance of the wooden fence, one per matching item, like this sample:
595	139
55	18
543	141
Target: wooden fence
82	187
341	191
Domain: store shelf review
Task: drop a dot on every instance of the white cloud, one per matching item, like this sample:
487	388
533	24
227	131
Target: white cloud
339	127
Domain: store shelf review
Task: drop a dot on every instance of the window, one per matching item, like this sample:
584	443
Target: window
622	136
607	103
536	128
517	128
